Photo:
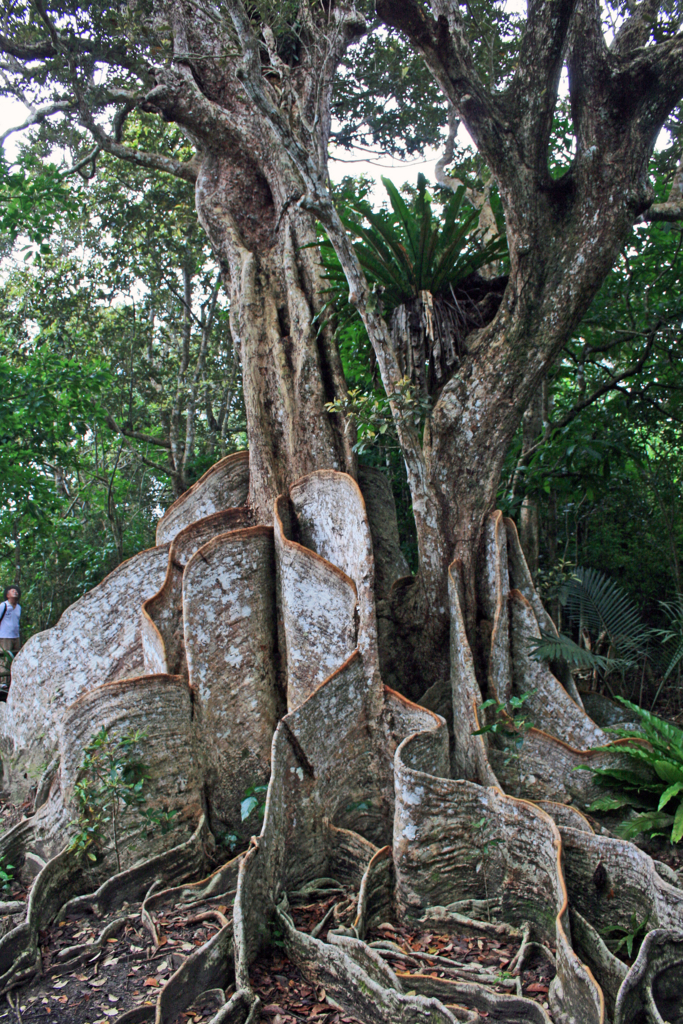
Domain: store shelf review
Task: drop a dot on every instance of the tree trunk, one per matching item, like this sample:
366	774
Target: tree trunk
249	195
533	421
290	364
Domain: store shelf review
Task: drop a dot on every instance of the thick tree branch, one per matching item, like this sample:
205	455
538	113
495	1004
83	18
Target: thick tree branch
185	169
587	64
636	30
27	51
40	115
643	90
532	95
47	49
446	50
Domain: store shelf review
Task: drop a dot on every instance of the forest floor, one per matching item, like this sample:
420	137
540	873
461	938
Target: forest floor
83	982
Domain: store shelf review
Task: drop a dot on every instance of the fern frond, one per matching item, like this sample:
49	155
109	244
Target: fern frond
626	777
654	822
615	803
669	733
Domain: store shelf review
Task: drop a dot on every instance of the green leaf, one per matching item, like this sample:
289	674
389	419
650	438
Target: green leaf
248	806
614	803
654	822
668	772
405	215
558	647
668	794
677	830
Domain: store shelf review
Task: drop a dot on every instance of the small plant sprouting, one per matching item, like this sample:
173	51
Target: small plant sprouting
623	937
164	820
511	727
359	805
111	784
485	844
6	875
230	840
254	801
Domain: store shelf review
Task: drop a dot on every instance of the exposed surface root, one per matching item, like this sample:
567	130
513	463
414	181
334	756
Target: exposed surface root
285	993
114	968
395	880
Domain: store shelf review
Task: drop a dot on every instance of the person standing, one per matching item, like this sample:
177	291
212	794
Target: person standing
10	633
10	614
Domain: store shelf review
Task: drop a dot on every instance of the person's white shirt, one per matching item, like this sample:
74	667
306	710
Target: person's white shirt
9	627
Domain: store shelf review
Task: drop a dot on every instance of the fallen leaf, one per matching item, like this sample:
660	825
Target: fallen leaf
272	1009
536	987
153	982
61	984
97	982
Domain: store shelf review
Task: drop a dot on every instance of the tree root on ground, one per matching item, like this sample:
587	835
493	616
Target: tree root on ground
374	823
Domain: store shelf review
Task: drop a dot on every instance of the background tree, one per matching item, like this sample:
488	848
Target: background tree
154	379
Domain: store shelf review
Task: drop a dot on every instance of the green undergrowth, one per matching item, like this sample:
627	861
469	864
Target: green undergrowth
652	785
113	783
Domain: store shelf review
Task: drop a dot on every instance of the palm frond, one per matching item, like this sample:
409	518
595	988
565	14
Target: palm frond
671	638
595	602
558	647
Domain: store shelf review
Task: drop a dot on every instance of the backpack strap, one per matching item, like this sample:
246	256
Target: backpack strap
3	611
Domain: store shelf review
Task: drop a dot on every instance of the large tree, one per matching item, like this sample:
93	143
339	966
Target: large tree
251	87
252	90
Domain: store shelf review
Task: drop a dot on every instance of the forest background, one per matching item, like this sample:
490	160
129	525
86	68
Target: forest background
121	385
